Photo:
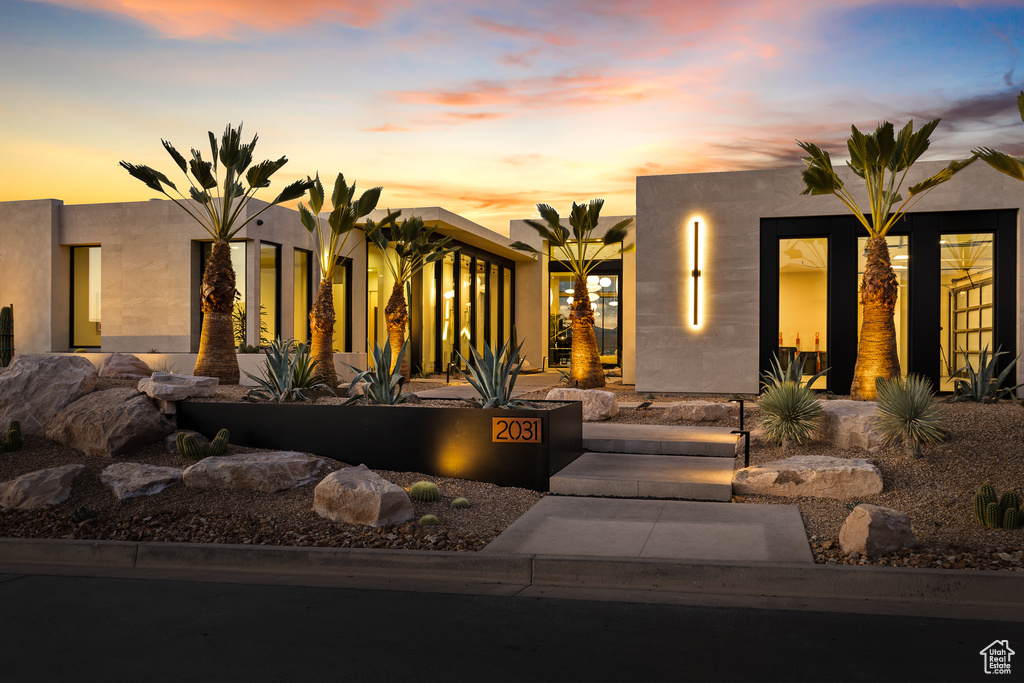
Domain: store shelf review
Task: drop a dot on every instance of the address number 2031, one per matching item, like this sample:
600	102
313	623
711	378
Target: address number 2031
515	430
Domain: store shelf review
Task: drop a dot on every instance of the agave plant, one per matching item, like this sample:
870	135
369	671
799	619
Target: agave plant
287	376
984	385
907	413
791	413
794	373
493	375
383	384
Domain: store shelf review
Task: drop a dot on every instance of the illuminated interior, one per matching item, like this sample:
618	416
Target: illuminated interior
302	278
899	256
85	297
803	305
604	298
340	294
966	303
270	290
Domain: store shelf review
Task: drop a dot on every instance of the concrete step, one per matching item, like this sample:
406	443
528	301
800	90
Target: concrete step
630	475
660	440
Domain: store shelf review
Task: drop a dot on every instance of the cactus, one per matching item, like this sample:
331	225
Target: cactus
190	448
219	444
1009	500
6	335
429	520
993	515
424	492
980	503
13	436
460	504
989	493
1011	518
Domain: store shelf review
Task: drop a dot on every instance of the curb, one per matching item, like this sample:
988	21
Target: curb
1002	592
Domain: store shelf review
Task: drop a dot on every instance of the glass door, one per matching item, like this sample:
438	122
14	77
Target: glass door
967	276
803	305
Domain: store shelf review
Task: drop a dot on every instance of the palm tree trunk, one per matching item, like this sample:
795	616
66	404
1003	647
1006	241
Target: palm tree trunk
876	349
321	325
217	357
585	371
396	315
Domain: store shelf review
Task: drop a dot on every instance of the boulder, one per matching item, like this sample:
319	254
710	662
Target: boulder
357	388
700	411
597	405
168	387
849	424
270	472
40	488
132	479
817	476
35	388
124	366
110	422
356	495
171	440
872	531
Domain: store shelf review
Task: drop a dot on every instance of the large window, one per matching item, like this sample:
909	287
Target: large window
270	291
85	297
899	256
803	304
966	303
342	293
379	285
238	318
302	294
604	297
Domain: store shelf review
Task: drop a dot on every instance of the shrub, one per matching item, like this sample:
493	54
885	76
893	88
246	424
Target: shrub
984	385
791	413
286	376
794	373
429	520
493	375
907	413
424	492
383	385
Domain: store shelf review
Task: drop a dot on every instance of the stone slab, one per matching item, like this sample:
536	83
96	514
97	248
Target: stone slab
675	530
646	476
660	439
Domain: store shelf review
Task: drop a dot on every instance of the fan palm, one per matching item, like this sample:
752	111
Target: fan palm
1002	162
882	160
220	210
329	248
585	370
414	247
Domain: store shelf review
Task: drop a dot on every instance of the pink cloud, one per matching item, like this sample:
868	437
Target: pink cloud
386	128
550	37
190	19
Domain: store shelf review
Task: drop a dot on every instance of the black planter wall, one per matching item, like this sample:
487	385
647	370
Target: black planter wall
447	442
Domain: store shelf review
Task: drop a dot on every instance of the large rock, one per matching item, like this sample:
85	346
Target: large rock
132	479
356	495
700	411
108	423
818	476
273	471
124	366
35	388
40	488
849	424
597	405
168	387
872	531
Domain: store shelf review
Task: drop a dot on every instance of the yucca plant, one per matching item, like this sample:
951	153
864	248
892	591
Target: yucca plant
794	373
493	375
908	413
287	376
384	380
791	413
984	385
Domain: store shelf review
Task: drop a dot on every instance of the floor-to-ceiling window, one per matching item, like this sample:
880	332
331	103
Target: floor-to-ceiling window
270	291
85	297
803	305
342	295
966	302
302	294
465	304
238	252
604	285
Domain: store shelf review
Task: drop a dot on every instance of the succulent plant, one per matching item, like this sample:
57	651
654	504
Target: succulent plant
424	492
988	492
1011	518
493	375
190	448
286	376
460	503
1009	500
13	436
429	520
907	413
984	385
791	413
993	515
383	385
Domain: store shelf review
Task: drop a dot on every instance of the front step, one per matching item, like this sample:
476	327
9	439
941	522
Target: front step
627	475
660	440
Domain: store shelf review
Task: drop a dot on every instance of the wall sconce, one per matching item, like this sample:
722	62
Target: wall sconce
695	273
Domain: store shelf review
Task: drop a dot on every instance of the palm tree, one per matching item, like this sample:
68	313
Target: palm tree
220	212
585	369
1004	163
872	156
414	248
329	248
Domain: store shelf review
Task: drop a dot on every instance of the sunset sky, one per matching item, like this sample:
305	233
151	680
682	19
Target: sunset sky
486	111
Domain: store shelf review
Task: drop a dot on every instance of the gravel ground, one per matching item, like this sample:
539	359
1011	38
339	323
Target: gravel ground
937	492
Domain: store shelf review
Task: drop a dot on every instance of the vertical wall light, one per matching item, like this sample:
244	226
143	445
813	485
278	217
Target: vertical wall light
695	273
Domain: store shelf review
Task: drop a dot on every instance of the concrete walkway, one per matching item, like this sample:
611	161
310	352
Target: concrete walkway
626	475
655	529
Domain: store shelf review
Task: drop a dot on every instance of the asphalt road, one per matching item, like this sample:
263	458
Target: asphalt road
55	628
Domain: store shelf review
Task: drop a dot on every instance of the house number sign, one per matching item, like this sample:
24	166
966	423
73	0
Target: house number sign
515	430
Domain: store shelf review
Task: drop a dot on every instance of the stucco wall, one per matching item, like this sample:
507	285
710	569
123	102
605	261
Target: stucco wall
721	356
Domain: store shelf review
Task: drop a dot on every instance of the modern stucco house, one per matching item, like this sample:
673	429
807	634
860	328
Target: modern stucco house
729	270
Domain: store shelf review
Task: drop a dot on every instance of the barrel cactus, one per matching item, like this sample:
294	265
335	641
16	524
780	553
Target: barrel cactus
424	492
190	448
993	515
429	520
1011	518
1009	500
460	504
